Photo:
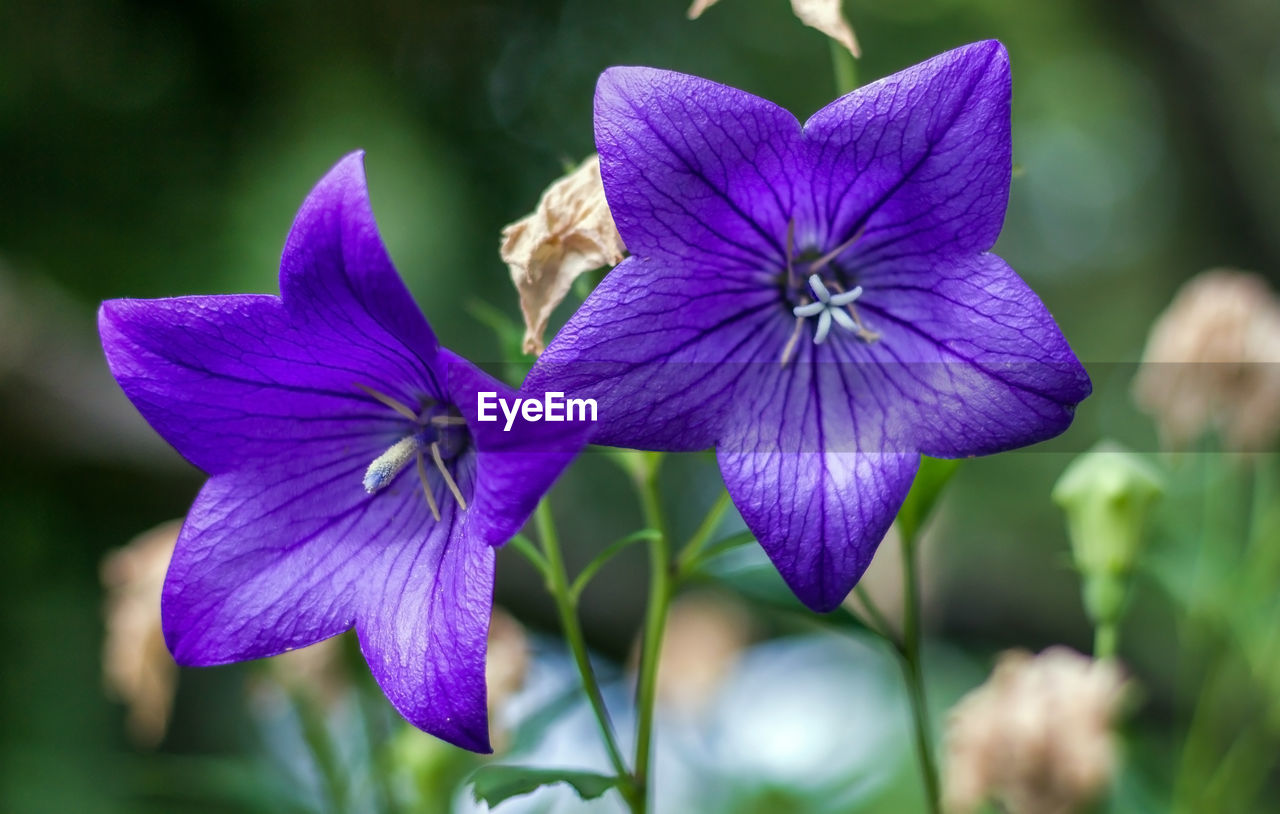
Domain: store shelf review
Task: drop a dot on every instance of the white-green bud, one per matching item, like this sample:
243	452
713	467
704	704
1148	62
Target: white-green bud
1107	495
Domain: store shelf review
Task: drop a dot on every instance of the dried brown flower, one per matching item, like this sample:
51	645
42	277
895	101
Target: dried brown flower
136	665
1036	736
571	232
824	15
1212	362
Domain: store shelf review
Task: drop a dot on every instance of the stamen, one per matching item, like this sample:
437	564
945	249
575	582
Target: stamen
821	262
448	479
448	421
795	337
394	403
791	247
426	488
390	463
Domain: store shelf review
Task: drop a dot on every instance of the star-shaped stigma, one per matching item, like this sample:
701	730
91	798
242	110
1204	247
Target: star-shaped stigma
826	307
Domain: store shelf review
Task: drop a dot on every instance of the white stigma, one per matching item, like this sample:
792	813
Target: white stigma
391	463
828	307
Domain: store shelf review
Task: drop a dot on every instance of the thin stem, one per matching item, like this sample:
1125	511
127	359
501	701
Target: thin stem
558	586
614	549
877	617
661	588
913	671
1106	640
706	528
844	68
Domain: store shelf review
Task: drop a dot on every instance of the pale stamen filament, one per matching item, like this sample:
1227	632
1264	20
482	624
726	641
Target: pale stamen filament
846	298
791	343
392	462
448	421
821	262
394	403
426	487
448	479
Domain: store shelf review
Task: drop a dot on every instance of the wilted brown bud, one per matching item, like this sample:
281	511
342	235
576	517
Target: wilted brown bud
1212	362
824	15
1036	736
136	665
704	636
570	232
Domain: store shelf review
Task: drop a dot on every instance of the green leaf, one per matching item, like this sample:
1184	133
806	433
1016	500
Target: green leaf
930	480
510	335
613	550
493	784
749	573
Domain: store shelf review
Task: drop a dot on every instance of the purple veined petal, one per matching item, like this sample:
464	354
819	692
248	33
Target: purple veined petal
232	383
661	349
336	277
698	174
816	464
516	466
424	623
278	559
919	162
976	363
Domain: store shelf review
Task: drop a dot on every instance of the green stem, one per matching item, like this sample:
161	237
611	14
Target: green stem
661	588
879	622
558	586
1106	640
844	68
913	671
692	549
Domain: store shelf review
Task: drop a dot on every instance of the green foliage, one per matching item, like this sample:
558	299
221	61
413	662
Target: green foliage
931	479
493	784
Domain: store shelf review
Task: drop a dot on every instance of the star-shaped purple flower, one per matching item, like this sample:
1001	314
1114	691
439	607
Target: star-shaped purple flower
818	302
350	482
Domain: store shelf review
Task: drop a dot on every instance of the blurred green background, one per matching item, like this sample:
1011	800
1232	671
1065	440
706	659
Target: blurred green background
153	149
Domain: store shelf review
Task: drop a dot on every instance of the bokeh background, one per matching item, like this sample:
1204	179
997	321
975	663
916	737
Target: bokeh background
153	149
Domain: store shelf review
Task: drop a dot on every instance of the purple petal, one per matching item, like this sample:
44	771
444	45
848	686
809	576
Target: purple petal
424	623
697	173
232	383
515	467
281	558
661	349
818	507
336	277
973	358
918	162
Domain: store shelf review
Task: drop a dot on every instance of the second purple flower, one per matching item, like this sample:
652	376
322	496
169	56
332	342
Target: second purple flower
817	302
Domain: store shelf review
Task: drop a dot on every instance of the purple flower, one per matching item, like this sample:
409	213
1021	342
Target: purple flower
818	302
350	482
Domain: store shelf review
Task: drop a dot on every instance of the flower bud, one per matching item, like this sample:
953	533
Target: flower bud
1107	494
1036	736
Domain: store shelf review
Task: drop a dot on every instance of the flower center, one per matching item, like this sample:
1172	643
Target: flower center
809	283
440	434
